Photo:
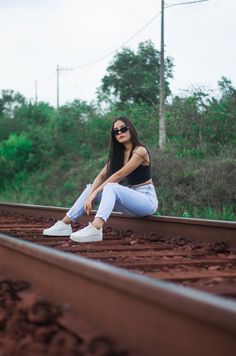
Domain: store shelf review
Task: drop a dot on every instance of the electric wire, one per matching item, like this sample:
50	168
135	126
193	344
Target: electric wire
186	3
203	36
129	39
136	33
205	42
120	46
46	83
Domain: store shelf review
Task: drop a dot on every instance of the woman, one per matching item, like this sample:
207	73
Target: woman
129	159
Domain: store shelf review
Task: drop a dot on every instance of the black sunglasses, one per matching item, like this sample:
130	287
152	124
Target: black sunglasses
123	129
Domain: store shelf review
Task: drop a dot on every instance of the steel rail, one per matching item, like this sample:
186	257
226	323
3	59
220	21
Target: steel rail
196	229
210	269
155	317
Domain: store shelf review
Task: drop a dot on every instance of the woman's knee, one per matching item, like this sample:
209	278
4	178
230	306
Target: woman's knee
110	185
88	188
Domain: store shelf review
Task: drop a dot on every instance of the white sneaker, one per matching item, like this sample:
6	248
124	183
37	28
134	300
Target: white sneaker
58	229
87	234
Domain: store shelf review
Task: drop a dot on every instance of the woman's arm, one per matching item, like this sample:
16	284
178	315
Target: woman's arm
101	177
135	161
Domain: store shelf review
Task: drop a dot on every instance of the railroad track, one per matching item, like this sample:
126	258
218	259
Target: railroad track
132	307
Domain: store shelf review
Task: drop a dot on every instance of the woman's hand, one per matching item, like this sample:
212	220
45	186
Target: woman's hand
88	206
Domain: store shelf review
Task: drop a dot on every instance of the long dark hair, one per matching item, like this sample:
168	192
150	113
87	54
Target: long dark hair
117	149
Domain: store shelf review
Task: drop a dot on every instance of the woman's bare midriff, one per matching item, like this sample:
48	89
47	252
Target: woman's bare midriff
147	182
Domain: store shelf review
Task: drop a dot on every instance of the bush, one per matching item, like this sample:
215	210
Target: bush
187	185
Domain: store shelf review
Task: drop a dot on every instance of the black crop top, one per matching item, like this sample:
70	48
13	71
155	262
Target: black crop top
140	175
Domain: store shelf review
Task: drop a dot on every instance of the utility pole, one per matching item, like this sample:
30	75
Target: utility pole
58	86
60	69
36	92
162	124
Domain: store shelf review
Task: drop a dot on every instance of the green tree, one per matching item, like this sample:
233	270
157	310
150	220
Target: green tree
68	128
201	124
14	155
226	88
134	77
10	101
220	122
185	122
31	115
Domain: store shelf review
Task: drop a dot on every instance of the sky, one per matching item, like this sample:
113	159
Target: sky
83	36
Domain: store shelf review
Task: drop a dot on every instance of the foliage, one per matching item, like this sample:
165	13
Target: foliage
14	155
199	124
187	186
47	156
134	77
10	101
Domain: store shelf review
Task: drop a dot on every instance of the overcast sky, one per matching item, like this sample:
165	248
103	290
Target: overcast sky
36	35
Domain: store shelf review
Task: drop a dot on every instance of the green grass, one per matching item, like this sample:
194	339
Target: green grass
227	213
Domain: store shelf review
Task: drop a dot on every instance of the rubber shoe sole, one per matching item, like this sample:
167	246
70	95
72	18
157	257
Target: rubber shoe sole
87	234
58	229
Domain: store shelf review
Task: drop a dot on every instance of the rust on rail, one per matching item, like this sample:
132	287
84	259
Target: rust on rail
208	265
126	305
143	313
197	229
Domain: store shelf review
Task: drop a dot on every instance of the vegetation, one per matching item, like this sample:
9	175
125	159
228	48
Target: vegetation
134	77
47	155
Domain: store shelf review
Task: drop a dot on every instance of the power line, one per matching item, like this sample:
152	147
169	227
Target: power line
205	41
120	46
50	79
162	126
136	33
208	37
186	3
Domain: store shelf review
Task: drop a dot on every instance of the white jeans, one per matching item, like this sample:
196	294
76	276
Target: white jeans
133	201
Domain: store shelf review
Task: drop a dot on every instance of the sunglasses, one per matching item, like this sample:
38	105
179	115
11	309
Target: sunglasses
123	129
